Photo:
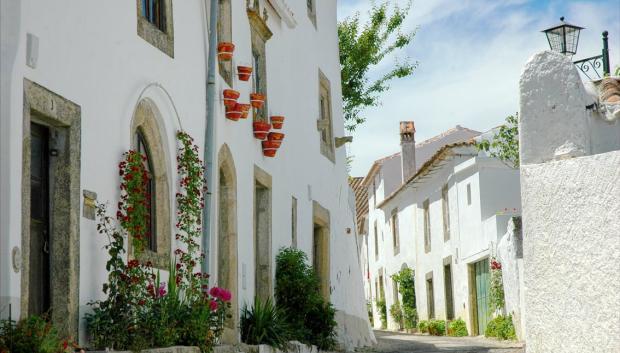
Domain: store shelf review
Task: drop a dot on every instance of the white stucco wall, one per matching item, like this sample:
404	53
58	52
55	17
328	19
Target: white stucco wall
571	202
571	233
104	67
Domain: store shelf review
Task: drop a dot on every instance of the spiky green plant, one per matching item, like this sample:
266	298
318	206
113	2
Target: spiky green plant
264	323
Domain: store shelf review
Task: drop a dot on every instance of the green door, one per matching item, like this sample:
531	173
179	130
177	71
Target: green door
481	269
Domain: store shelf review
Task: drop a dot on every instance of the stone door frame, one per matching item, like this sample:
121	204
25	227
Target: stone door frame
63	117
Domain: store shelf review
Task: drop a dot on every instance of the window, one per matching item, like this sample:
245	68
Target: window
446	212
294	222
395	235
260	34
324	124
224	34
154	12
155	24
376	242
468	194
310	4
430	296
427	227
147	139
143	149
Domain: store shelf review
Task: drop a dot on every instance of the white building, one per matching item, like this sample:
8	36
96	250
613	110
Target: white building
87	81
449	218
385	176
570	181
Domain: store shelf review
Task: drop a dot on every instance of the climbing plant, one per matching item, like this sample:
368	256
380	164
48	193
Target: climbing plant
496	289
406	287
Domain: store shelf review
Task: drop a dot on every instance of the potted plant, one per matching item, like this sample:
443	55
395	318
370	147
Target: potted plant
225	51
244	72
270	148
234	113
230	97
245	109
257	100
277	121
261	129
275	136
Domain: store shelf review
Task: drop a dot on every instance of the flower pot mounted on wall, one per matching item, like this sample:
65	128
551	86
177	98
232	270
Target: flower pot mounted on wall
225	51
257	100
277	121
244	72
245	109
234	113
230	98
261	129
270	148
275	136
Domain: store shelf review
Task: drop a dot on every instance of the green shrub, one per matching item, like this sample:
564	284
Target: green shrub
437	327
457	328
31	335
370	315
423	326
264	324
382	308
501	327
410	317
397	314
310	318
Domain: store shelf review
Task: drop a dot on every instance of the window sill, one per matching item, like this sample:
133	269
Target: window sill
160	40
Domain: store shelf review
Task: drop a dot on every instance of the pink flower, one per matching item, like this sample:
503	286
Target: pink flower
213	305
215	292
225	295
162	290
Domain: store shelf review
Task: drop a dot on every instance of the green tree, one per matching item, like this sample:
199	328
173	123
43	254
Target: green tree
505	144
364	46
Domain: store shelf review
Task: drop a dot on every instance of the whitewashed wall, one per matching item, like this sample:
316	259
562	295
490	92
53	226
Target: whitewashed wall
571	202
97	60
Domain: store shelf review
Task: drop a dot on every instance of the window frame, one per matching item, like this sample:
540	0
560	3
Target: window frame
151	188
160	38
260	34
325	119
427	225
395	231
224	34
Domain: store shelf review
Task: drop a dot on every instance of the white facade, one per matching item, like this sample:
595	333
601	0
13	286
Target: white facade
570	178
95	59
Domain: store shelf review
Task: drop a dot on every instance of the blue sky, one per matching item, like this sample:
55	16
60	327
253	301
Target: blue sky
470	54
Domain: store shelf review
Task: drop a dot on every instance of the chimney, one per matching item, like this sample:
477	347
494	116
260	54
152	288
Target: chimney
407	149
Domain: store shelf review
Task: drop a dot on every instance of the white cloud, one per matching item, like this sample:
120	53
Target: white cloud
471	55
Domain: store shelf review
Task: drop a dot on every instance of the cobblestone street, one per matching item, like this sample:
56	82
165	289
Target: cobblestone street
389	342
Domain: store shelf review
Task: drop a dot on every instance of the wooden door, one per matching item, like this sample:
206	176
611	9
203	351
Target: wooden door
39	281
481	269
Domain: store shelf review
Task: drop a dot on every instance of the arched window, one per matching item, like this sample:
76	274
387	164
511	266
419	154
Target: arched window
148	138
151	189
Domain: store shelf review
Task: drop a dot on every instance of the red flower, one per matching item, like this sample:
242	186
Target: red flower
213	305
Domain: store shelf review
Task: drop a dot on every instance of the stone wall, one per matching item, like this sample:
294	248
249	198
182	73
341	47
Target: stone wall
510	254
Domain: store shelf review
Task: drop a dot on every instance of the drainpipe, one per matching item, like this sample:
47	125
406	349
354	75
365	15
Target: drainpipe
209	142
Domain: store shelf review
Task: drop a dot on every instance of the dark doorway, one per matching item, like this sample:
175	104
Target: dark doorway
40	242
430	298
447	275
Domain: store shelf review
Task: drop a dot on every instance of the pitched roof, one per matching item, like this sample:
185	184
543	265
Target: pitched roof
440	155
420	145
361	198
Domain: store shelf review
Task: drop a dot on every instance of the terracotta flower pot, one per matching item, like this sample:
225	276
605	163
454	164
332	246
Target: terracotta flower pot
230	98
244	72
261	129
277	121
245	109
270	148
257	100
225	51
234	113
276	136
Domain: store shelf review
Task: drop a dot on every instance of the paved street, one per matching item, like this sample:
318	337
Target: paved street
389	342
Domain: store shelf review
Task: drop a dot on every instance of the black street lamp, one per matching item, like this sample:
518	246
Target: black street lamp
564	38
